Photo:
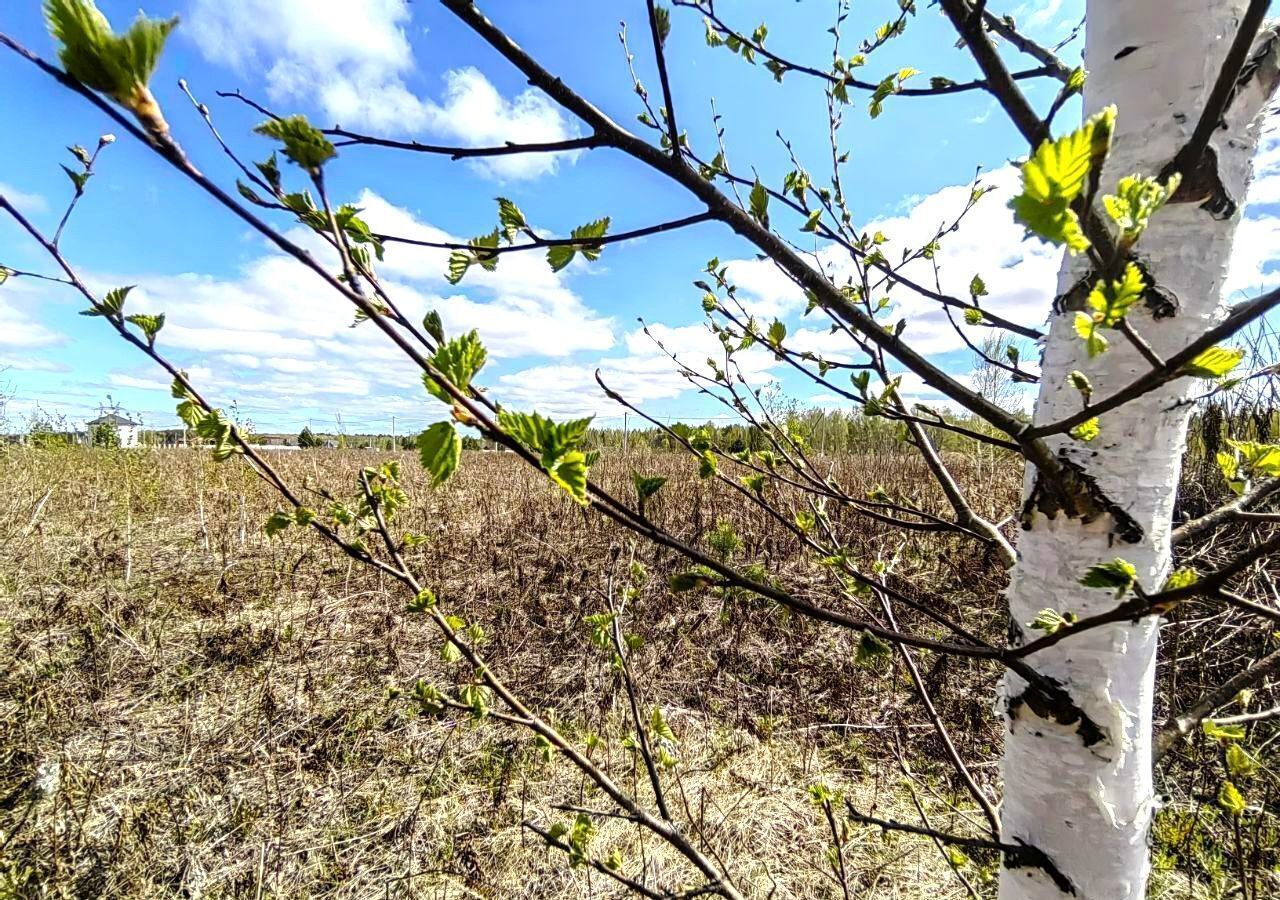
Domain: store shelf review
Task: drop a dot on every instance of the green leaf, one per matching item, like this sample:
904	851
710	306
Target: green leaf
433	326
689	581
458	360
1055	175
1086	430
459	262
659	727
1230	799
759	203
1239	763
1050	621
149	324
1180	578
1085	326
1075	81
79	179
117	65
647	485
587	234
1118	574
1110	300
304	144
1223	734
973	316
423	601
560	256
1136	199
510	218
706	464
662	22
277	522
777	334
538	433
440	448
1213	363
977	287
870	649
570	472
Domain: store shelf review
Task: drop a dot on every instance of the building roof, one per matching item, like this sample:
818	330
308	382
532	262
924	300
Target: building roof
112	419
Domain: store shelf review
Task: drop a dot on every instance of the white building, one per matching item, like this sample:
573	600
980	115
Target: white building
126	429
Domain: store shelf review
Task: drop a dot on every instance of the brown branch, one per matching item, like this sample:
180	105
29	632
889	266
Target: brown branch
1236	510
1181	724
538	243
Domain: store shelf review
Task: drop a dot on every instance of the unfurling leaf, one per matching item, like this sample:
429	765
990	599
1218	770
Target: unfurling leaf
304	144
1213	363
759	203
1118	574
1086	430
1180	578
440	448
277	522
149	324
510	218
1230	799
1050	621
1081	383
1055	176
458	360
119	66
1136	199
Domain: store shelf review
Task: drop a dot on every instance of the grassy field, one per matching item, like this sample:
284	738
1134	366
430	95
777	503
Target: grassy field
191	709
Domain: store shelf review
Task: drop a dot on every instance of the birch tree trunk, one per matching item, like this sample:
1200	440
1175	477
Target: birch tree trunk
1089	806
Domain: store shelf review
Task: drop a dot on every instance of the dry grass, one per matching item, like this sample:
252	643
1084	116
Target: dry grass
215	714
192	710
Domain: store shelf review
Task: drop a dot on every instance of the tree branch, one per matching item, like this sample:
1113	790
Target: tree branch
1181	724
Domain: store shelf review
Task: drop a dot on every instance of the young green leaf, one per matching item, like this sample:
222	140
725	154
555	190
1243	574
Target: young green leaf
119	66
458	360
870	649
1118	574
440	448
1054	177
277	522
1213	363
510	218
304	144
149	324
1086	430
647	485
759	203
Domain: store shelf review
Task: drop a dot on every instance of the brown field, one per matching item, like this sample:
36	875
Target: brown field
191	709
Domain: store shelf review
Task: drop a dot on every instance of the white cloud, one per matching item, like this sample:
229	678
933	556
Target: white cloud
19	330
274	334
27	203
1254	260
353	59
642	376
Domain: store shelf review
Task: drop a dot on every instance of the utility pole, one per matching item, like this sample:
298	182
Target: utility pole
624	431
395	445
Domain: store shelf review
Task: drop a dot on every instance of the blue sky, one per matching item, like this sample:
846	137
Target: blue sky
255	329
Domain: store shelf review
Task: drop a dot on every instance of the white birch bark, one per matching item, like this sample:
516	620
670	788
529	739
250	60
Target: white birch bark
1089	808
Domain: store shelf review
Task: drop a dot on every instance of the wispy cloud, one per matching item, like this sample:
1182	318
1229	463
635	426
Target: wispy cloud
353	60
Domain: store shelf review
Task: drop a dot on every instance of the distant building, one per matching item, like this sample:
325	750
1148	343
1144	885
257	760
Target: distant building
126	429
